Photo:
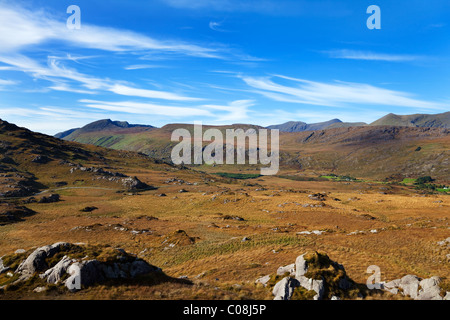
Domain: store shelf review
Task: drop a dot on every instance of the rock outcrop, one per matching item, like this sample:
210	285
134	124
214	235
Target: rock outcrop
11	213
129	183
75	266
313	276
416	288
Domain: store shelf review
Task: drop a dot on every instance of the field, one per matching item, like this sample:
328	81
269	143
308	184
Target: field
198	235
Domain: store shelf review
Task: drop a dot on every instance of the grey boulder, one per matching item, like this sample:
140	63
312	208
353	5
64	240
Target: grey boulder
284	289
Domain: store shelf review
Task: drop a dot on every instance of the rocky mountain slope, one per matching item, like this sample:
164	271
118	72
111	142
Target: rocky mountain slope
364	151
100	125
31	162
441	120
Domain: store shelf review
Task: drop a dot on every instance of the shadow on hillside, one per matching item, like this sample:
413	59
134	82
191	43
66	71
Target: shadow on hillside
12	213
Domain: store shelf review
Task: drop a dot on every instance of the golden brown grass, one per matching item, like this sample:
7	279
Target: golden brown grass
210	250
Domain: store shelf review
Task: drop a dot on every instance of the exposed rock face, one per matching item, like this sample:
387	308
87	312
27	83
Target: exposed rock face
300	266
410	285
55	274
133	183
416	288
284	289
130	183
314	285
51	198
118	264
430	289
36	261
286	269
317	275
3	269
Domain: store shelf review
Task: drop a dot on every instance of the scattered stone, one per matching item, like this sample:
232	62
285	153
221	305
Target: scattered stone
416	288
317	196
444	242
263	280
50	199
429	289
228	217
316	232
41	159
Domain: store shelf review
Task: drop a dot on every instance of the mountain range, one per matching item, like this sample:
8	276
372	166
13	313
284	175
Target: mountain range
441	120
420	146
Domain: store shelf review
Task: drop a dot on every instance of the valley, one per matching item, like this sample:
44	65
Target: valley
214	235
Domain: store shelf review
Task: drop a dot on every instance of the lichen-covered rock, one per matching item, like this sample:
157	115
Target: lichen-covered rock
65	263
317	276
315	285
3	269
54	275
36	261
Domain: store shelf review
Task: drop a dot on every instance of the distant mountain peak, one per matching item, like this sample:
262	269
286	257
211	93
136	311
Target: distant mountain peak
101	125
298	126
440	120
108	123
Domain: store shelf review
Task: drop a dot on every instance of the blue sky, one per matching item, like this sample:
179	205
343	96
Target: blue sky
221	62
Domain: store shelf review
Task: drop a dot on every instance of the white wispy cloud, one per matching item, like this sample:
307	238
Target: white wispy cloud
66	88
145	108
374	56
57	73
7	82
234	111
142	66
144	93
216	26
50	119
21	28
335	94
